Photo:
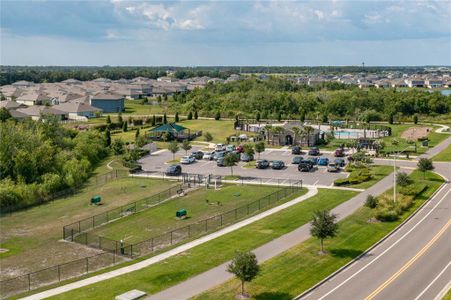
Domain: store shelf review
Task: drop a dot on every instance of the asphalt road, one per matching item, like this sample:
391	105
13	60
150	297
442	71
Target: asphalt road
413	263
158	162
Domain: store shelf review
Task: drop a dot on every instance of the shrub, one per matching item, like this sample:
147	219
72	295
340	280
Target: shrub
341	181
412	189
371	201
402	179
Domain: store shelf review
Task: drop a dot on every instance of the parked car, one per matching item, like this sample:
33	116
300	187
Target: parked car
230	148
277	165
313	160
220	162
209	155
340	162
245	157
305	166
314	151
174	170
262	164
339	152
197	154
332	167
296	150
240	149
296	160
186	160
219	154
219	147
323	161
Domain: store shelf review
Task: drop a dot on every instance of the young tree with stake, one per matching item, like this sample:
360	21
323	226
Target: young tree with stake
425	164
245	267
186	146
230	160
173	147
323	225
259	148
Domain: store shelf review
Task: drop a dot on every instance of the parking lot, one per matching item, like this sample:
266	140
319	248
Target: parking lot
320	176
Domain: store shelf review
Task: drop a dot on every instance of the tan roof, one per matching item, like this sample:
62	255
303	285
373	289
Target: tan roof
72	107
37	110
107	96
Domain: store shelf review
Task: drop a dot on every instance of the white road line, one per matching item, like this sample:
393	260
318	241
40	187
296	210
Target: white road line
433	281
388	249
443	292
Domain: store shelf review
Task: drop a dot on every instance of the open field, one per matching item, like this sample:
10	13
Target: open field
445	155
176	269
161	218
35	243
299	268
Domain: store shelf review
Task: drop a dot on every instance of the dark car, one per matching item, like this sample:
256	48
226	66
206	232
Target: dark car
313	160
314	151
296	160
197	154
277	165
246	157
340	162
323	161
174	170
305	166
296	150
262	164
339	152
220	162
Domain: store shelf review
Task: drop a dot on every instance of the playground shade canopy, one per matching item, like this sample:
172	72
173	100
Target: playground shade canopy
170	128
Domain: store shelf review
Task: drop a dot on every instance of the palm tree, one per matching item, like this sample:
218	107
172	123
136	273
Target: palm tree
268	130
278	130
296	130
308	130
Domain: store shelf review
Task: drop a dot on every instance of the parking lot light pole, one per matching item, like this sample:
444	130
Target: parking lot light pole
394	173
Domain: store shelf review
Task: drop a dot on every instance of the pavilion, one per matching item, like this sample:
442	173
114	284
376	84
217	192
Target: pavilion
173	132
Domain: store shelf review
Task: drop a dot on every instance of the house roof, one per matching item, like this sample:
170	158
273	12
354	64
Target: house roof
107	96
73	107
17	114
11	105
170	127
37	110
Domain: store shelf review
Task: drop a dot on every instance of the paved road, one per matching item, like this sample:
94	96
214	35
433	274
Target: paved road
318	177
413	263
218	275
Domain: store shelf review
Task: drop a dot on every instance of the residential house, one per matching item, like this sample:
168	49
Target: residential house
36	111
434	83
108	102
33	98
77	111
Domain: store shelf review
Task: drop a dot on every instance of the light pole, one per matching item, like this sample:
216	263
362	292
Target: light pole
394	173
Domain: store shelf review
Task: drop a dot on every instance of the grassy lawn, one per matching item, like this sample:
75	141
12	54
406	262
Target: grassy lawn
445	155
161	218
33	235
134	107
204	257
299	268
220	129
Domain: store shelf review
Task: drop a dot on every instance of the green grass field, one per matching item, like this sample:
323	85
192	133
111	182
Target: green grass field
33	235
299	268
203	257
445	155
161	218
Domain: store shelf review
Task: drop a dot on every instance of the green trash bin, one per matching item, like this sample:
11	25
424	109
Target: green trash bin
425	143
96	200
181	213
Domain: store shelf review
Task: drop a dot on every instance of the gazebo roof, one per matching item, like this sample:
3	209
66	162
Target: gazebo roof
171	127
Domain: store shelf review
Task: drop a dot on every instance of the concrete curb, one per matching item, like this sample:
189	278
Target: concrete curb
305	293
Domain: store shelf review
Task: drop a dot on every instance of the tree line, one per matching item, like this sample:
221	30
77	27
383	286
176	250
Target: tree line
275	98
38	159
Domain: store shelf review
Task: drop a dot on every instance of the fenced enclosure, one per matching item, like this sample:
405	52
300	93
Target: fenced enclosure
71	231
58	273
190	231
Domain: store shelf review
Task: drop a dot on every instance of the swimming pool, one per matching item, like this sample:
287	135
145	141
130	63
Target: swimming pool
356	133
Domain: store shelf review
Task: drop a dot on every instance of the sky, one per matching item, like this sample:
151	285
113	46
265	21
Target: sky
207	33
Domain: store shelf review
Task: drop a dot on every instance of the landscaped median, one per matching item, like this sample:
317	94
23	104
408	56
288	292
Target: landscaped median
445	155
363	176
206	256
301	267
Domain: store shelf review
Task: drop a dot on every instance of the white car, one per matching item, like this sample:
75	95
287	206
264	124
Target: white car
219	147
187	160
209	155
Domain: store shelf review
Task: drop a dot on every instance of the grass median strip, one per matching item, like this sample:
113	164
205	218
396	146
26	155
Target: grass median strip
206	256
445	155
299	268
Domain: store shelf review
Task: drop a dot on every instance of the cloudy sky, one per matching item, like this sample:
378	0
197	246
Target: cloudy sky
187	33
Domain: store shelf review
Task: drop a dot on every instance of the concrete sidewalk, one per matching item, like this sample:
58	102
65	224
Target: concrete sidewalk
182	248
218	275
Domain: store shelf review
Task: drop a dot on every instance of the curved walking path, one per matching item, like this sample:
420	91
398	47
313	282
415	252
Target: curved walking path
182	248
